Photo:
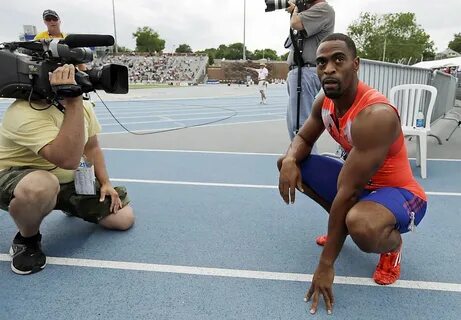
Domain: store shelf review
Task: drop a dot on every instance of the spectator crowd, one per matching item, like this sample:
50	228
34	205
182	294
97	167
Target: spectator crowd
164	68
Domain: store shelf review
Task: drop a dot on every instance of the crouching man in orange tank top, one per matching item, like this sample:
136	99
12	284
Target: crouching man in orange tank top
371	195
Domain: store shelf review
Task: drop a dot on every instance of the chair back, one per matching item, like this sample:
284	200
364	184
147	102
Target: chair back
409	99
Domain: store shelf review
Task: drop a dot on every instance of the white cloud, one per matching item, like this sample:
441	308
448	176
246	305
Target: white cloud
209	23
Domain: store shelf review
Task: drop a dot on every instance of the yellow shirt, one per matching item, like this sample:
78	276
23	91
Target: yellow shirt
46	35
24	131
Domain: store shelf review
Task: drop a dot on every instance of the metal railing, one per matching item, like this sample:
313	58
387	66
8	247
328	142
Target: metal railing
446	93
383	76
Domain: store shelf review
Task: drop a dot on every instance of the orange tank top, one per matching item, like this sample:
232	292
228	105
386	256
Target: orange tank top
396	170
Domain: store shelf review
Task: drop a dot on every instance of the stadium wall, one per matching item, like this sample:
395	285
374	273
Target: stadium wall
215	73
234	70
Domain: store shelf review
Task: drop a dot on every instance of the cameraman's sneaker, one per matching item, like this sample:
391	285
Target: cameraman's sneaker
27	254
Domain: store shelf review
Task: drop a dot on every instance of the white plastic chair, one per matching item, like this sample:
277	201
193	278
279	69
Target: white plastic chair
409	99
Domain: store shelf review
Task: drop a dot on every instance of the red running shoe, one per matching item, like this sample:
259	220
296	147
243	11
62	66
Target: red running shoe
321	240
388	269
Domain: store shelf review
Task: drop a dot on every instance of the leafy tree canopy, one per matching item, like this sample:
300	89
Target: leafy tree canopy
266	54
183	48
394	37
455	44
147	40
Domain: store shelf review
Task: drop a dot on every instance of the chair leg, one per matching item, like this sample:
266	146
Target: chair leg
423	146
418	151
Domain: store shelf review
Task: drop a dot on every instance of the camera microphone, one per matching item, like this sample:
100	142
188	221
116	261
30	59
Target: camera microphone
88	40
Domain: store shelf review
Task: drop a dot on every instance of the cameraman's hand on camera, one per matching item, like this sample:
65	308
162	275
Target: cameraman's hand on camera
65	75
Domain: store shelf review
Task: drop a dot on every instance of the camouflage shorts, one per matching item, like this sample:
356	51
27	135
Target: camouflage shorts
86	207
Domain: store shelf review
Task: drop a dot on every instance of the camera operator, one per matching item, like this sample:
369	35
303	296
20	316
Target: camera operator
311	26
47	157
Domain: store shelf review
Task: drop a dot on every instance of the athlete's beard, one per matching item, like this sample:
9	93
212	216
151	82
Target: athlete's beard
333	94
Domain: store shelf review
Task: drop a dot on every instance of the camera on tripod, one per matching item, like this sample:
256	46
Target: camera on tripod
272	5
26	66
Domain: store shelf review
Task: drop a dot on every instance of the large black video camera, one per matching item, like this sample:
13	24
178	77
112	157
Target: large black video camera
272	5
25	67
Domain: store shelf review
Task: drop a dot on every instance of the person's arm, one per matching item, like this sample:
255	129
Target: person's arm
66	150
312	20
373	132
251	69
95	155
300	148
308	134
295	21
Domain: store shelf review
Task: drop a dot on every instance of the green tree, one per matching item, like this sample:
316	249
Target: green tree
455	44
183	48
123	49
211	52
393	37
265	54
284	57
147	40
232	52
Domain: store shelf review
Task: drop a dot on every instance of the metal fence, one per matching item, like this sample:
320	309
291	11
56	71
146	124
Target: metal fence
446	93
383	76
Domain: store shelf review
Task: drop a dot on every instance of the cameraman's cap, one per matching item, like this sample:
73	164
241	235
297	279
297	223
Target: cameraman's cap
50	13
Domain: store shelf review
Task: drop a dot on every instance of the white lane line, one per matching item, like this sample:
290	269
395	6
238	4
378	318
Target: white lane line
433	193
236	273
191	115
153	131
189	183
193	119
193	151
190	110
239	185
235	153
438	159
147	99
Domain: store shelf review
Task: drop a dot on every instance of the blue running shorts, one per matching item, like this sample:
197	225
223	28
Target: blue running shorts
321	173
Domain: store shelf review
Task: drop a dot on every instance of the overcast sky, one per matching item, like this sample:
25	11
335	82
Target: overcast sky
208	23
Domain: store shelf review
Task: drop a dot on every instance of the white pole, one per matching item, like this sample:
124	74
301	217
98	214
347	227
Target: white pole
115	29
244	18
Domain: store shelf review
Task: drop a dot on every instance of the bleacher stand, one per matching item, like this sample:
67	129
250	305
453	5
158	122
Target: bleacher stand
166	68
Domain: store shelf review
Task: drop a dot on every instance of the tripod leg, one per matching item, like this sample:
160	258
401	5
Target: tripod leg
453	131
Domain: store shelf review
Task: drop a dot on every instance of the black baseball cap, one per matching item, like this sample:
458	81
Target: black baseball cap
50	13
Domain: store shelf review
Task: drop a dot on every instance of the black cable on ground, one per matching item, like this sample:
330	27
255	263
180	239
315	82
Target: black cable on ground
234	113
